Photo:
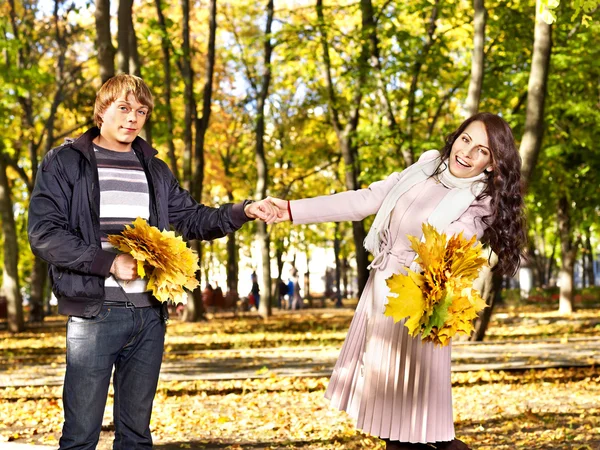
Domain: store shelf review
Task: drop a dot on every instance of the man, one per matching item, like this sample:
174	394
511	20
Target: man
84	191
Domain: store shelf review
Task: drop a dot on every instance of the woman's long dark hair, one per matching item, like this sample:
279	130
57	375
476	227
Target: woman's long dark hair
506	233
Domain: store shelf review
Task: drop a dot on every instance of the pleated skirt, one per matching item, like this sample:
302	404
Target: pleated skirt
393	385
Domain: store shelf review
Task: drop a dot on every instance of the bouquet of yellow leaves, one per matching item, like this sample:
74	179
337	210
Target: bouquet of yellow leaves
165	258
440	301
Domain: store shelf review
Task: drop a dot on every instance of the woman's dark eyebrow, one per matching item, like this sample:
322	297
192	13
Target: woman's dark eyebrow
487	148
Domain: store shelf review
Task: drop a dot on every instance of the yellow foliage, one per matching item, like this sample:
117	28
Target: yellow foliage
406	288
166	260
439	302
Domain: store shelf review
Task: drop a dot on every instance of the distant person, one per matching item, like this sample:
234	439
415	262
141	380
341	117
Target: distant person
84	191
296	296
255	290
283	290
393	385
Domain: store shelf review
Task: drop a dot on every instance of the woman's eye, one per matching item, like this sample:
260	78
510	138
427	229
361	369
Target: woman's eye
143	113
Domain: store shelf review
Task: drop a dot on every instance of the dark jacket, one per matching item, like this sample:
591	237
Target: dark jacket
64	219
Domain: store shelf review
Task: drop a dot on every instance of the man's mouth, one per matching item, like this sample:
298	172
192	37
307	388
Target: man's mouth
129	129
462	162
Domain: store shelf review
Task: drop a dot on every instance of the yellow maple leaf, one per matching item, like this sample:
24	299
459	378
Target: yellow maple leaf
162	256
408	304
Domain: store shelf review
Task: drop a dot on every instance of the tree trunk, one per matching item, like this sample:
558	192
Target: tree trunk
338	267
568	255
477	62
588	262
194	310
188	96
262	235
232	264
203	122
417	68
489	284
125	28
536	96
345	270
37	294
346	134
534	122
104	46
166	51
10	278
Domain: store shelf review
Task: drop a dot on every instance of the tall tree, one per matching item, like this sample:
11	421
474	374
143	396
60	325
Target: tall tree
262	181
531	143
166	52
185	65
346	132
569	247
477	61
25	85
10	278
125	30
104	46
201	126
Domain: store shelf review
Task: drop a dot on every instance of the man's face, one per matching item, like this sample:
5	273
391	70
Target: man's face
123	120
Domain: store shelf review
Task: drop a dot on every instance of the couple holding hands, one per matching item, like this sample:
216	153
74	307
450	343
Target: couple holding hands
395	387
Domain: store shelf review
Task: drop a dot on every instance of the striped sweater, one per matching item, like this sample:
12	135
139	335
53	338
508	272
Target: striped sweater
124	196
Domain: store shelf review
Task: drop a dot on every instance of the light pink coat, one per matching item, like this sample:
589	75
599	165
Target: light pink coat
393	385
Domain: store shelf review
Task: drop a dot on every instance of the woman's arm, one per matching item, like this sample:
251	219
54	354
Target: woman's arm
349	205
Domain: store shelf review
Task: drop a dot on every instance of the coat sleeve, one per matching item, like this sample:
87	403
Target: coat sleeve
470	222
349	205
51	236
197	221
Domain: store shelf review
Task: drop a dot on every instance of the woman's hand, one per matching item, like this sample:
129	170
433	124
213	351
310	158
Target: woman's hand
124	267
282	207
263	210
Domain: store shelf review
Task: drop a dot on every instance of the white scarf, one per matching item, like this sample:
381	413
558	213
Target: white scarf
461	193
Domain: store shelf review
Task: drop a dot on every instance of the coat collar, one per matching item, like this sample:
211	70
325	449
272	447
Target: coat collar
84	144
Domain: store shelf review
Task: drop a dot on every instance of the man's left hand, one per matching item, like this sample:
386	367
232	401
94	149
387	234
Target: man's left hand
263	210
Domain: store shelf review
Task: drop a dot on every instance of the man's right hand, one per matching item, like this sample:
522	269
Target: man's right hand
124	267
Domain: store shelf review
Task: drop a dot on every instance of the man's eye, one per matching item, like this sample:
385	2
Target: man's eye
143	113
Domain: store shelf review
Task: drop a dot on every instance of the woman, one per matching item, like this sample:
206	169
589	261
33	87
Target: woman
395	386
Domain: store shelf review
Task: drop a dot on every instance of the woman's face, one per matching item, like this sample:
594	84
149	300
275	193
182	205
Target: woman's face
471	154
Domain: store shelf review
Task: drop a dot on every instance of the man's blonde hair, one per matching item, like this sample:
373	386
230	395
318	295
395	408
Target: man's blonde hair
115	87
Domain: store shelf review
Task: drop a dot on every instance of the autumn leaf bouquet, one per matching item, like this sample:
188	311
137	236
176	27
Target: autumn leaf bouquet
164	258
440	301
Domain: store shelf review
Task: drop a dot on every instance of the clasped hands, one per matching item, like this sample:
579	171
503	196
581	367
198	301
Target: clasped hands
270	210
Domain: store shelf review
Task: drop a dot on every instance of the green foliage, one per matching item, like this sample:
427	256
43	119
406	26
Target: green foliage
301	145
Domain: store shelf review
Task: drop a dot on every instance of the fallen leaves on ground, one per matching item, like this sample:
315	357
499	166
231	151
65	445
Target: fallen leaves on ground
556	409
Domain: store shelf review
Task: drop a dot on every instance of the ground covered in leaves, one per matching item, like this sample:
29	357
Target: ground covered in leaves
555	408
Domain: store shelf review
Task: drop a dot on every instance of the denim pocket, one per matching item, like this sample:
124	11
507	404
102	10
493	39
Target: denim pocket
161	312
102	315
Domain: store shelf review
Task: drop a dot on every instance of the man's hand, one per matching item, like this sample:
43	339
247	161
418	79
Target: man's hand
282	207
263	210
124	267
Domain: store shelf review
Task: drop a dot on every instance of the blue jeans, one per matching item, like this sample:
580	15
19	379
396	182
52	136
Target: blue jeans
131	340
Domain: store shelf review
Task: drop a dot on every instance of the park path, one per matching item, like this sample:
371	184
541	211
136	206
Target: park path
319	361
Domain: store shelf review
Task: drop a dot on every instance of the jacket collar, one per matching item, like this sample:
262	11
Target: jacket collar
84	144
